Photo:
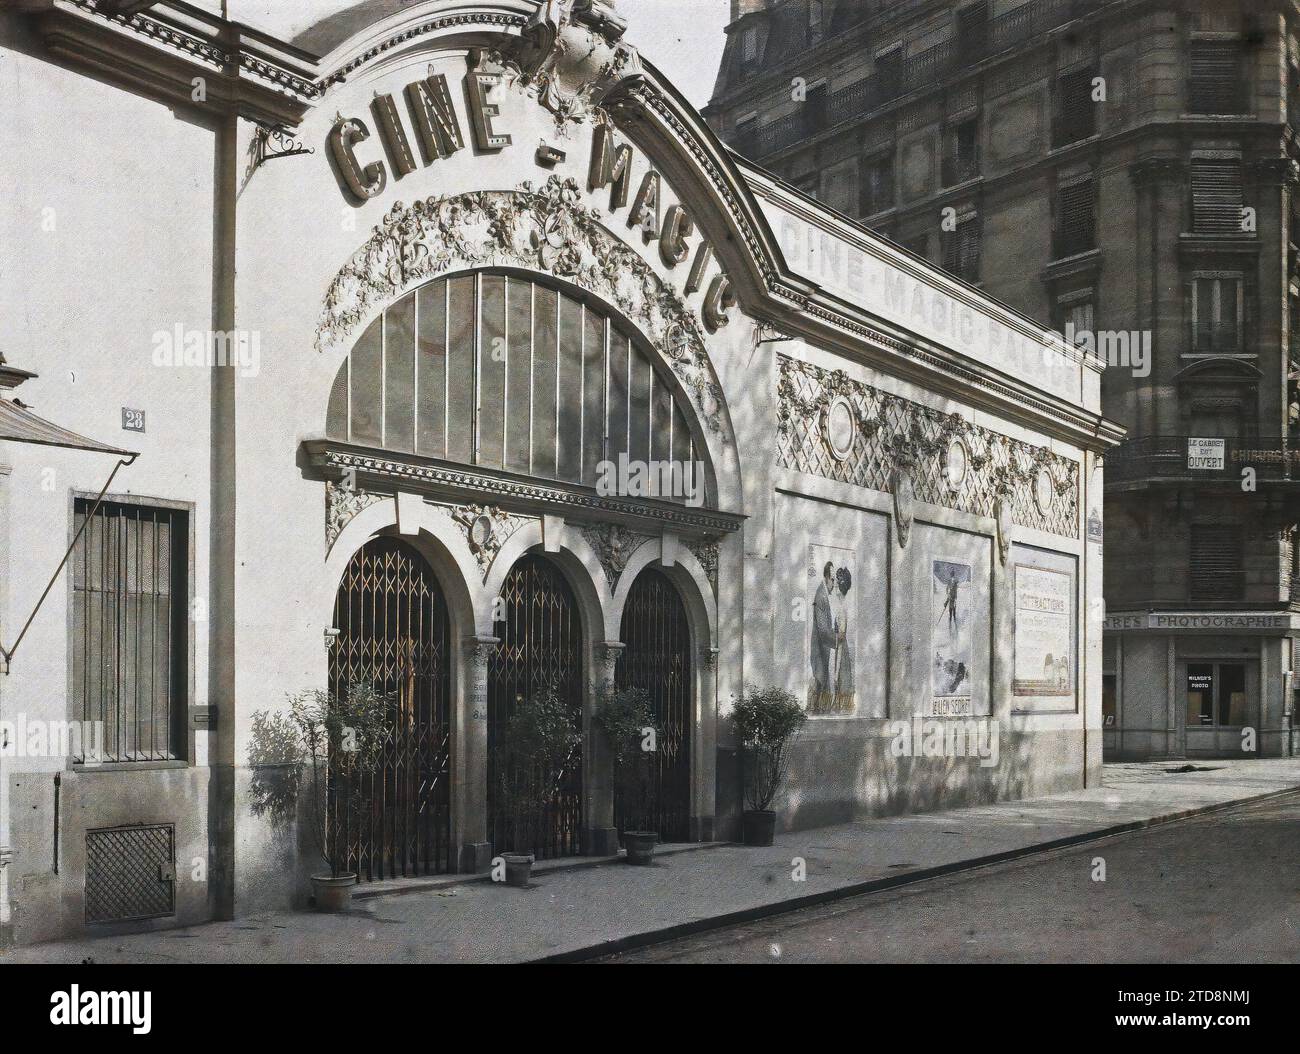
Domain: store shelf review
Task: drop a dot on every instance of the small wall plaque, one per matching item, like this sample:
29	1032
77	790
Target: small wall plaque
132	420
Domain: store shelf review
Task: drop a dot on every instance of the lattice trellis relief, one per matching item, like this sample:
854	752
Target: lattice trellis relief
952	462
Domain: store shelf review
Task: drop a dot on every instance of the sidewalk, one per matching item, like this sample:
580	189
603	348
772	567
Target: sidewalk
578	912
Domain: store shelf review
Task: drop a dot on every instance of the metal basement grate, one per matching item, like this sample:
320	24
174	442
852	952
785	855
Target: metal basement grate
130	873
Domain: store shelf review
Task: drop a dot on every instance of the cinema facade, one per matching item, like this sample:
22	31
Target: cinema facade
460	356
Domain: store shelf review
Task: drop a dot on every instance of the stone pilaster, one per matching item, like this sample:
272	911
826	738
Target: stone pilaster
602	835
472	806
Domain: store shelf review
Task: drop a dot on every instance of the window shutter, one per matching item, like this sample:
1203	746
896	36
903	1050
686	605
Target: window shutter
1216	563
1216	77
1216	197
1076	223
1076	112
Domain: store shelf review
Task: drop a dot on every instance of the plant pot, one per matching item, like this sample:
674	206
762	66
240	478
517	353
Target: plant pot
640	846
519	867
758	826
333	894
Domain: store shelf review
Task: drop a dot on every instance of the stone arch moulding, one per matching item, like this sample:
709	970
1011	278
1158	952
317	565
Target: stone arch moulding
432	533
541	229
576	559
691	580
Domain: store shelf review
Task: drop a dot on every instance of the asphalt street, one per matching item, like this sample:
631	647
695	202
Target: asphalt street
1223	887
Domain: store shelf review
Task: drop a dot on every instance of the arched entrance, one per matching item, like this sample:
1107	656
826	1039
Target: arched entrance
657	659
541	644
394	633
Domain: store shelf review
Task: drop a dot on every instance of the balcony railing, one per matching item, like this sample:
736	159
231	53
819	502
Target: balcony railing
1204	458
931	66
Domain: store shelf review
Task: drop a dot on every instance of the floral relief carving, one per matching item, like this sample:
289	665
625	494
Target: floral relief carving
706	552
917	453
544	228
486	529
341	504
614	545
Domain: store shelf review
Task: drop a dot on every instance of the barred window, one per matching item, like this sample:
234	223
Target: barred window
1216	77
1076	218
130	637
1216	196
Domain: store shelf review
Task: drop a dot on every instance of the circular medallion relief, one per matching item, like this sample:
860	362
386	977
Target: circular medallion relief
839	427
480	531
956	463
1044	491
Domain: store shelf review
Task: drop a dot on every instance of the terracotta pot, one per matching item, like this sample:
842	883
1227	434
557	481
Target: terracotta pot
758	826
519	868
640	846
333	894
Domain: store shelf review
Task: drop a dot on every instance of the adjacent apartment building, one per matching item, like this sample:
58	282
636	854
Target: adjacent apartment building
1123	171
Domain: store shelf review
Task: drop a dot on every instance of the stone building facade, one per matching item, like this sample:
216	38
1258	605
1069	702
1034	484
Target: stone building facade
1123	171
402	310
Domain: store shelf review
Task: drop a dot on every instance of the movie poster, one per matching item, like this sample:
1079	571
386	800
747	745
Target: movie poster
1043	638
832	629
950	636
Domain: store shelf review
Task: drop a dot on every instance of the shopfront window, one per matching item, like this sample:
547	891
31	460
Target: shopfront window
1216	694
1108	710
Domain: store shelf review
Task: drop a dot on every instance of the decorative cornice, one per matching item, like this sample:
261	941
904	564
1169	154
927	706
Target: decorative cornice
439	480
544	229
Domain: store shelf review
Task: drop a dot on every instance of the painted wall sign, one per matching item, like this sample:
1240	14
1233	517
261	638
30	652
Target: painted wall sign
885	289
1043	637
1169	621
1205	453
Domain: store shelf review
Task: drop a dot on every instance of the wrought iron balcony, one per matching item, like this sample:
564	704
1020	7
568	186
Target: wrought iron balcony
1204	459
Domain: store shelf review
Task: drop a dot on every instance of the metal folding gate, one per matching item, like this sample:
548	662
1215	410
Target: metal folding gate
541	644
658	659
394	634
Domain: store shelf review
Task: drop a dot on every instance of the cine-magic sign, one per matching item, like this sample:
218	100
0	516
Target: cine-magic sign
437	128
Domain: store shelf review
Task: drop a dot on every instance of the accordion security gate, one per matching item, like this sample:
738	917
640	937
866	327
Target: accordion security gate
541	644
658	659
394	634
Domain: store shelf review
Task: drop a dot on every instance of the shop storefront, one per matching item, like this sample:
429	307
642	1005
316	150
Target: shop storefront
465	360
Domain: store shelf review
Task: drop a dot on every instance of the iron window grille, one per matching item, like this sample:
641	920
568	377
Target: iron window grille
130	628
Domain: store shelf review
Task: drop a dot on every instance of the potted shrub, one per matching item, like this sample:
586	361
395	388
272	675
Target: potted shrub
538	741
767	719
627	719
333	739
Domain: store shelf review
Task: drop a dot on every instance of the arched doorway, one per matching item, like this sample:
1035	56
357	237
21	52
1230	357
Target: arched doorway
657	658
541	644
394	633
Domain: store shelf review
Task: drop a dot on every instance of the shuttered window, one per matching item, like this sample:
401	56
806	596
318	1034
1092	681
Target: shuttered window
1076	113
961	250
1217	78
972	32
130	630
1216	196
1076	218
1216	571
